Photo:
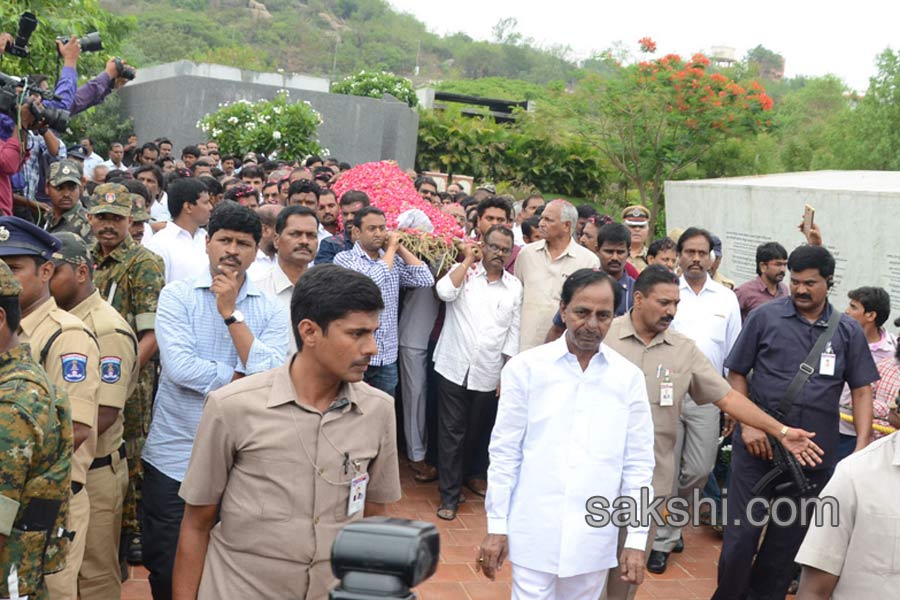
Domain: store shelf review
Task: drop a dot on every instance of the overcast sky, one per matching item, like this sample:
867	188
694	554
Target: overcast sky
815	38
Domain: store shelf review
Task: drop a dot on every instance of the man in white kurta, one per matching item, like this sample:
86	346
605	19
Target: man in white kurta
570	426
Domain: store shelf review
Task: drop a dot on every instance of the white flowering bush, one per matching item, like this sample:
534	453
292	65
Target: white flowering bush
374	84
276	127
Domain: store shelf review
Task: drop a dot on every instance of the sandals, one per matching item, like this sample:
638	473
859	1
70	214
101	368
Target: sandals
447	513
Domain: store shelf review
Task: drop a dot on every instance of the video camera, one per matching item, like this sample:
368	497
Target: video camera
27	24
16	92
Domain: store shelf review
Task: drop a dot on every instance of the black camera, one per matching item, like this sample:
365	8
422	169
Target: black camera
27	24
382	558
89	43
124	71
11	98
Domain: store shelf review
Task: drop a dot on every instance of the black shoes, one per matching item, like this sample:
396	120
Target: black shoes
133	553
679	547
657	562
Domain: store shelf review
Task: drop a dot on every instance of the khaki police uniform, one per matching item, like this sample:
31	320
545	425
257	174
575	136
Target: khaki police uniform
637	215
68	353
670	359
107	479
35	473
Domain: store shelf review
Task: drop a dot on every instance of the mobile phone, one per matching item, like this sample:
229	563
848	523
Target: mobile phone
808	214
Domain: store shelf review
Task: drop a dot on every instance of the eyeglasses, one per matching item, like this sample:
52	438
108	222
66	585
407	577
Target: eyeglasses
498	250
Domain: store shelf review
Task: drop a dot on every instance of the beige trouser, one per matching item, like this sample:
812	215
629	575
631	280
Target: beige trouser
100	575
64	584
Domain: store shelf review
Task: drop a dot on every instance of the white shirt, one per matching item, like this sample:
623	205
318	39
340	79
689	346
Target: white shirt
562	436
261	266
322	233
90	162
480	326
111	165
275	283
711	318
184	256
159	210
864	548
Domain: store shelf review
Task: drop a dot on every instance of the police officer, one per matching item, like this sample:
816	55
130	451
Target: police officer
107	479
130	278
62	344
66	211
36	445
637	219
775	340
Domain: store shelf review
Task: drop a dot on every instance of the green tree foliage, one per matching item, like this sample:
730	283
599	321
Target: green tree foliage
657	118
518	154
278	126
103	123
62	18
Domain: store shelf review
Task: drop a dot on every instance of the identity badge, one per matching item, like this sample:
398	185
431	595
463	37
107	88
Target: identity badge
826	364
666	393
357	494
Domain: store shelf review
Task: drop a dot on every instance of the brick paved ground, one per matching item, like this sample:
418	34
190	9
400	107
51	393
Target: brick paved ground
690	575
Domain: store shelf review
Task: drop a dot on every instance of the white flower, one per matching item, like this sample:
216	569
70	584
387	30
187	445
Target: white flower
276	110
233	120
276	135
251	126
216	133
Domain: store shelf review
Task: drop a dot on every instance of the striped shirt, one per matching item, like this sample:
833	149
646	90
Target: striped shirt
390	280
198	356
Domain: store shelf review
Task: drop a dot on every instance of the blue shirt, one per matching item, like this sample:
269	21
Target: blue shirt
329	247
774	341
198	356
390	280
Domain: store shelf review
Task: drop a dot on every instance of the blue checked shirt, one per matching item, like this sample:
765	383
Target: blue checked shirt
390	281
198	356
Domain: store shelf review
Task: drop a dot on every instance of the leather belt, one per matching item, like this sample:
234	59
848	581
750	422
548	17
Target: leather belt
105	461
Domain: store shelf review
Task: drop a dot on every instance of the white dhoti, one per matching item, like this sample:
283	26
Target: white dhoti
528	584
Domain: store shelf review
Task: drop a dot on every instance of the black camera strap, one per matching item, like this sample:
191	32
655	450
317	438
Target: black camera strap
807	367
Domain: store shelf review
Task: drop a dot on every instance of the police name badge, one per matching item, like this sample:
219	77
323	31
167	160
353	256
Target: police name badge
826	364
110	369
74	367
666	393
357	494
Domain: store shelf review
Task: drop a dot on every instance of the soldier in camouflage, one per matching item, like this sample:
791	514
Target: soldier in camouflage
67	213
35	474
130	278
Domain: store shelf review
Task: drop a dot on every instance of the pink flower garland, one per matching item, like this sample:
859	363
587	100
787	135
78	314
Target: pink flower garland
391	190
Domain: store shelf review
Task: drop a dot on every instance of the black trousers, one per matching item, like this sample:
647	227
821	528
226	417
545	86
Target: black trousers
160	524
744	571
465	420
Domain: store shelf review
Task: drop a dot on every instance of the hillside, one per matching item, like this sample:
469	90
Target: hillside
331	38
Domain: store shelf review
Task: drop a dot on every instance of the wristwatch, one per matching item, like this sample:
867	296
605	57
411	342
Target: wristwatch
236	317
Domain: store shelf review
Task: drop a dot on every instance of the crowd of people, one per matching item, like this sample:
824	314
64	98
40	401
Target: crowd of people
210	363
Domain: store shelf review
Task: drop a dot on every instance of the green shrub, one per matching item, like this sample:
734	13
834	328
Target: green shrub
375	85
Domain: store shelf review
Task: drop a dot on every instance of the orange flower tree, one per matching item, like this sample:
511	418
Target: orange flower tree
654	118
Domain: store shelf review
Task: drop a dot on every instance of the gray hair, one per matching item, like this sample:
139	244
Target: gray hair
567	213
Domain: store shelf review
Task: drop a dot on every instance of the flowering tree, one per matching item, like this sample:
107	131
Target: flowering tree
374	84
276	127
654	118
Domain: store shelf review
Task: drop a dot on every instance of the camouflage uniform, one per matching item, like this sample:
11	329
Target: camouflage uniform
36	444
130	278
75	219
